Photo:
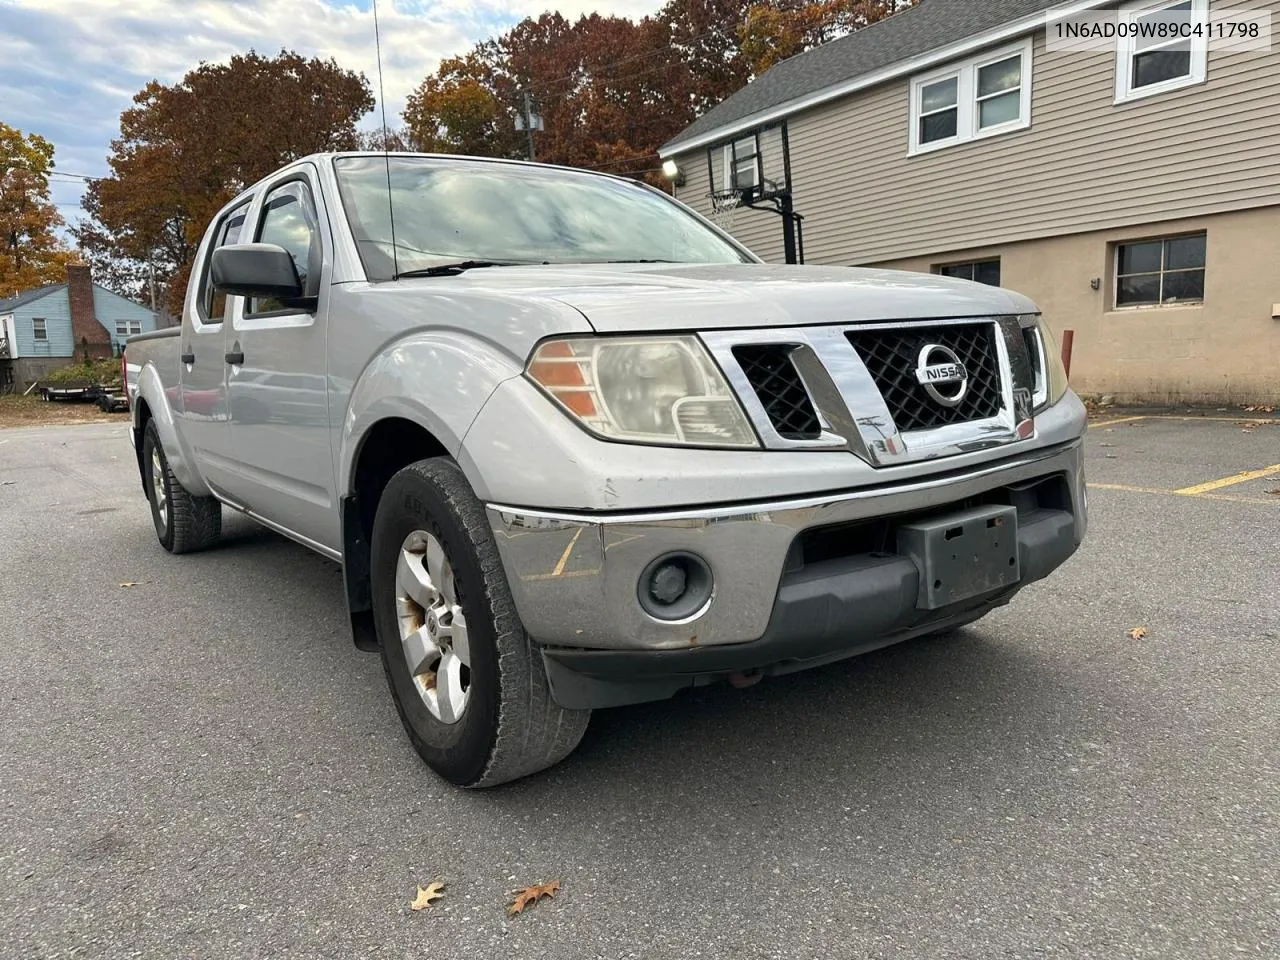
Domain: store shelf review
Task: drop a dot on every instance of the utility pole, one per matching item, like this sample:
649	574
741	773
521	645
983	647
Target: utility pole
151	282
528	122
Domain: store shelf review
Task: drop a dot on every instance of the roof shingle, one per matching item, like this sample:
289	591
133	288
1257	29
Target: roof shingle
28	295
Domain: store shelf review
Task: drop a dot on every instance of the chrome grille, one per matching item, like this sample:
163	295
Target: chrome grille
776	382
891	355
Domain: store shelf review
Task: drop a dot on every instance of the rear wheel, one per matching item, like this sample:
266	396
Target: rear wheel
184	523
467	680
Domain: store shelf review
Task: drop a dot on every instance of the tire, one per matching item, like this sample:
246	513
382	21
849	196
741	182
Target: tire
184	523
508	726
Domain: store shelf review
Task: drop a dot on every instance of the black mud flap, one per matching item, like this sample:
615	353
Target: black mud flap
355	575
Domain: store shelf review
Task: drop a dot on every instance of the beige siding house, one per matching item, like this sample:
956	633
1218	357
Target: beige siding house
1133	194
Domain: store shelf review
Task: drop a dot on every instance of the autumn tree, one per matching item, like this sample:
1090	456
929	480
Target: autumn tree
611	90
773	32
705	41
31	254
608	89
456	110
184	150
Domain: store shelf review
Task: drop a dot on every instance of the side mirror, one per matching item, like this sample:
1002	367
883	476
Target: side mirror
255	270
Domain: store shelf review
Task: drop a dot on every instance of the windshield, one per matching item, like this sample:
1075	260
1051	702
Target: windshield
448	211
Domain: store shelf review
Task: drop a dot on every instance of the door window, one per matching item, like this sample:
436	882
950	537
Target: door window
213	305
289	220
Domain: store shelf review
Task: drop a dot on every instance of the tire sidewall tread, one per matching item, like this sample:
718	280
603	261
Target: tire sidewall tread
511	727
194	522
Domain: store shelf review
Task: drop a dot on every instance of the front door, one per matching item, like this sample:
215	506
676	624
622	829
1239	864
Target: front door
276	383
202	376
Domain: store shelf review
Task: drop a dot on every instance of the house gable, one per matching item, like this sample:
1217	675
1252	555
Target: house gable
53	307
112	309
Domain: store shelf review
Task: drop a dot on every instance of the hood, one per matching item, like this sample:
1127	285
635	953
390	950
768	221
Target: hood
621	298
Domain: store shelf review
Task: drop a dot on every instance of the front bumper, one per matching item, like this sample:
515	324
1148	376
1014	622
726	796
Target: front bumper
786	590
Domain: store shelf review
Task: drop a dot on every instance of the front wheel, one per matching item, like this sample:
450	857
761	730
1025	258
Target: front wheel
184	523
467	679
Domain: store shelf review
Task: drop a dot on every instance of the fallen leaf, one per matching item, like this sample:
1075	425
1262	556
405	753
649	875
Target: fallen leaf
1137	633
432	891
528	896
130	583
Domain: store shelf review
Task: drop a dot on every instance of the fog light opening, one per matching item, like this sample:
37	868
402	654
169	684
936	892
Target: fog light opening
675	587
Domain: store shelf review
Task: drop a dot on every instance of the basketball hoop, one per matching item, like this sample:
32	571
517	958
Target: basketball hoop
724	207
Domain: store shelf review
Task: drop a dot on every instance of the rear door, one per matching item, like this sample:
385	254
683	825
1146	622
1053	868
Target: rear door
276	365
202	376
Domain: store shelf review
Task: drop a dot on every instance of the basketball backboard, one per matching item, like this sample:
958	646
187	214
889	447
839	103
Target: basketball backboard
754	166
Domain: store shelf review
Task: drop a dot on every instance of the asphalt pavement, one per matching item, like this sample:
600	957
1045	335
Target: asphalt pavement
201	764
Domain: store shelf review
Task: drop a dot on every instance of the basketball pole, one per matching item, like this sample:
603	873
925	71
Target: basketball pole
788	228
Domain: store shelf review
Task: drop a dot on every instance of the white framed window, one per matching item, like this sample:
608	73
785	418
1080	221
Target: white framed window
741	163
128	328
981	97
38	329
1149	65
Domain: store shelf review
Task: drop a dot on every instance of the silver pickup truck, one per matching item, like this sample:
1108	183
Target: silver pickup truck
574	447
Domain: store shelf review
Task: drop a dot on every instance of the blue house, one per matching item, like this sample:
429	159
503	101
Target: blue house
51	326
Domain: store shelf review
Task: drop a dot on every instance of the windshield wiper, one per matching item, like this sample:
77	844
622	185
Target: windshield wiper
452	269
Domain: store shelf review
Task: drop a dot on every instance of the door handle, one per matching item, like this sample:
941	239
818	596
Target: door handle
188	357
235	358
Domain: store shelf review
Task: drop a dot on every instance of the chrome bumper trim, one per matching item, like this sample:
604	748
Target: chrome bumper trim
574	576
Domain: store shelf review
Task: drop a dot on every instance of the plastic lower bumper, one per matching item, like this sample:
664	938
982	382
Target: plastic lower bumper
796	583
835	610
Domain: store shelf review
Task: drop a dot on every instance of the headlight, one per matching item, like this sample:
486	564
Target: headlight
662	390
1046	361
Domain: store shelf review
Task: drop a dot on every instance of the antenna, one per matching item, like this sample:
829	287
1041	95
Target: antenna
386	150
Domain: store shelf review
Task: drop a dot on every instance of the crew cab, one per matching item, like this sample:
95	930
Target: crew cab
575	447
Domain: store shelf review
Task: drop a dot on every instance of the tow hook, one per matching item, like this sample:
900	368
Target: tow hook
742	679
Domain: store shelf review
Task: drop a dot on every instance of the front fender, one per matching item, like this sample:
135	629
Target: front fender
151	390
439	380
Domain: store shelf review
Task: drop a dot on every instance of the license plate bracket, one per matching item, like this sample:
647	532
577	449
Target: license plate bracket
962	555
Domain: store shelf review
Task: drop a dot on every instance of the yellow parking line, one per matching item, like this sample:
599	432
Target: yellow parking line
1127	488
1172	416
1107	423
534	577
1229	481
1169	416
564	557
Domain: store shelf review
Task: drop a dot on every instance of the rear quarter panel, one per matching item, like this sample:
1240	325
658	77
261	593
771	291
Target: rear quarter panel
152	368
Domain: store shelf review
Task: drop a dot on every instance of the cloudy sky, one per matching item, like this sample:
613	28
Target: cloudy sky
68	67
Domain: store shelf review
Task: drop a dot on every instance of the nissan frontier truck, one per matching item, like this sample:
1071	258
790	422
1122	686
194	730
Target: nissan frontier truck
575	447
